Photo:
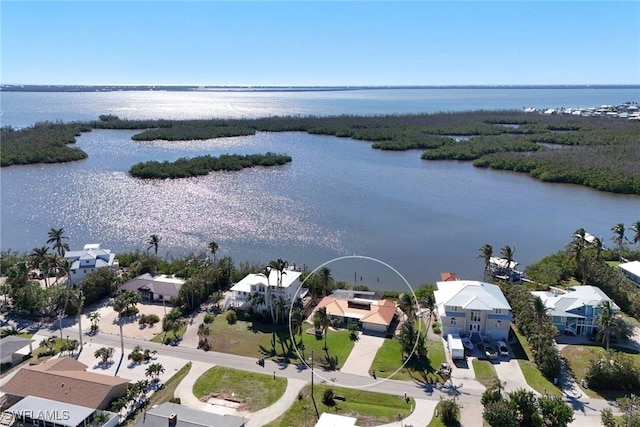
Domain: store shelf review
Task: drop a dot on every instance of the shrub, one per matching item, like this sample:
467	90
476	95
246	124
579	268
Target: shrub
449	411
231	317
175	400
209	318
152	319
327	397
436	328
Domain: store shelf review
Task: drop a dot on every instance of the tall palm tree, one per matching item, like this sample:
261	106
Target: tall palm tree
577	247
40	259
408	306
65	266
266	272
540	314
325	279
297	321
213	248
507	253
322	318
607	322
635	227
154	242
279	266
56	236
486	252
618	236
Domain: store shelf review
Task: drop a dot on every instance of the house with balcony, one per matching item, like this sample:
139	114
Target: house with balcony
472	308
289	289
91	256
575	312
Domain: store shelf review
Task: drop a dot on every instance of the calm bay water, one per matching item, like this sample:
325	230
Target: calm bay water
338	197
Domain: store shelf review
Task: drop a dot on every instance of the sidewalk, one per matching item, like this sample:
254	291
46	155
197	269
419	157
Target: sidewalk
421	415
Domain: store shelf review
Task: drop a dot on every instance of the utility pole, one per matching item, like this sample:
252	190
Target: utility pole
80	304
313	397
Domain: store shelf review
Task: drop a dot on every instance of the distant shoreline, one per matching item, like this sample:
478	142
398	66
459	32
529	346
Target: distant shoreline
214	88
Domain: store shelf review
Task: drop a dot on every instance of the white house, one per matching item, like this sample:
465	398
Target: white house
92	256
154	288
631	270
258	284
575	312
468	307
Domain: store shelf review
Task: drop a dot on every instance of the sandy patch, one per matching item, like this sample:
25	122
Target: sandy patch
131	329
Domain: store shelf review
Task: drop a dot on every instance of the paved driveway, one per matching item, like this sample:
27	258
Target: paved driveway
362	355
511	375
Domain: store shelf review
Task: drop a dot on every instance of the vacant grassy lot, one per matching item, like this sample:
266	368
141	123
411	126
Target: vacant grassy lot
257	391
254	339
370	408
389	358
579	359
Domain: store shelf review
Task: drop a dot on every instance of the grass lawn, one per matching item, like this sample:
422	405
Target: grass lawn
389	358
371	409
164	394
485	372
257	391
532	374
254	339
170	335
579	357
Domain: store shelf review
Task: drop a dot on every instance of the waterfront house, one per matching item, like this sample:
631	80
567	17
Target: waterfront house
83	262
631	270
575	312
468	307
154	288
289	290
64	380
366	308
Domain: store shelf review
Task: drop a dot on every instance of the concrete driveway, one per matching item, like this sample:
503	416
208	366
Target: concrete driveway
511	375
362	355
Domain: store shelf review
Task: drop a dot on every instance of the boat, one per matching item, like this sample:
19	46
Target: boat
466	342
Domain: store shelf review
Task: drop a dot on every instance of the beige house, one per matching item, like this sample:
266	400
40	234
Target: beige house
364	308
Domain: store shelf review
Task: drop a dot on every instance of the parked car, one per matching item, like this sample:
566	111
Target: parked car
502	348
491	353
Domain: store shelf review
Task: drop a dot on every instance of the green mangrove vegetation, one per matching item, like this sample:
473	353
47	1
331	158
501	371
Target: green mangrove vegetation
203	165
598	152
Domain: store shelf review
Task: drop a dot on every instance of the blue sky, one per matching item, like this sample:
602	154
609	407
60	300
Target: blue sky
320	43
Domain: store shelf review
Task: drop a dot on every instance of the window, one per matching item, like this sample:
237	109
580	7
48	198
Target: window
453	308
261	288
453	320
475	316
498	311
498	323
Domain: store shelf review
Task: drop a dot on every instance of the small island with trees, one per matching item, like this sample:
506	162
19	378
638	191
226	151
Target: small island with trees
598	152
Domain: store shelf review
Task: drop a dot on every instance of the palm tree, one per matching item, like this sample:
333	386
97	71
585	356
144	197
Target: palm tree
56	236
486	252
540	314
618	236
154	370
40	259
154	242
213	248
322	318
325	279
635	227
279	266
65	265
297	321
577	247
203	332
507	253
408	306
607	322
94	318
120	305
266	272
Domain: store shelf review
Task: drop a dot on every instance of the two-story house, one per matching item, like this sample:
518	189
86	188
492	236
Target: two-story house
575	312
259	284
468	307
631	270
83	262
